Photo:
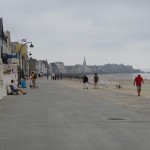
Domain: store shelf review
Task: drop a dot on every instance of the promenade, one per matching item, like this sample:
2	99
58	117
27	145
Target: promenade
61	115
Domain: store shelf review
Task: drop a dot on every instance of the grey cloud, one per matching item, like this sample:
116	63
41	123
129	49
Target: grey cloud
97	29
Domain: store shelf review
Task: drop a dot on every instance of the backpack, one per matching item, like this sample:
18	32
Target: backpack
35	76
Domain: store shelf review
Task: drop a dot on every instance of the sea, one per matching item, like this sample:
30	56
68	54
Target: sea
119	76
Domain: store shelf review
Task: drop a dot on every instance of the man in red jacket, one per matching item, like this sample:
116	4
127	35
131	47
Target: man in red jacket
138	81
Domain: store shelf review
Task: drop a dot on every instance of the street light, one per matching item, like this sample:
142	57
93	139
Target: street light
20	70
24	66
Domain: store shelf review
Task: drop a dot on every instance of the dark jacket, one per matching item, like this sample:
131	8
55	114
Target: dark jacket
85	79
95	78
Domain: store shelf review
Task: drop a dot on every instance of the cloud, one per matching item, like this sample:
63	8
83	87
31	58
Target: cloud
67	30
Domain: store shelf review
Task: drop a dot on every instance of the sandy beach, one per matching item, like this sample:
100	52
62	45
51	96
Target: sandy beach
126	86
125	96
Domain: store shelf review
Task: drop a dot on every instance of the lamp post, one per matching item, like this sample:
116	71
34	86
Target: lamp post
20	68
24	66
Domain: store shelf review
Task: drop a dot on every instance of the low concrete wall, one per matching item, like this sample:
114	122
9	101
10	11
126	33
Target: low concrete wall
6	80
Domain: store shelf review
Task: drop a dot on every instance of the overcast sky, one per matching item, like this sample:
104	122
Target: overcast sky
104	31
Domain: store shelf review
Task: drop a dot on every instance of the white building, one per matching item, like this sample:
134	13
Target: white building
57	67
78	69
41	67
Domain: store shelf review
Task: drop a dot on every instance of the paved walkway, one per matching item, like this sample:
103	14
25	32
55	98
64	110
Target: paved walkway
62	116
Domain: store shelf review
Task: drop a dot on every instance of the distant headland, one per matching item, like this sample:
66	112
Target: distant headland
59	67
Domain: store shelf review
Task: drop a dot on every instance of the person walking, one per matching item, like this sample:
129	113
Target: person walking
95	81
33	78
85	81
138	82
53	75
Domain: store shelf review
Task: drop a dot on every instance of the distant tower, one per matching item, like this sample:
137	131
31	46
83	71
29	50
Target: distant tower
84	62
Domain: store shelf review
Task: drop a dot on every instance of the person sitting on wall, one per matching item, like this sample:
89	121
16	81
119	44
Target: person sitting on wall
15	88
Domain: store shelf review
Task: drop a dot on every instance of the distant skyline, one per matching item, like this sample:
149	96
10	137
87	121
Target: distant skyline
110	31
